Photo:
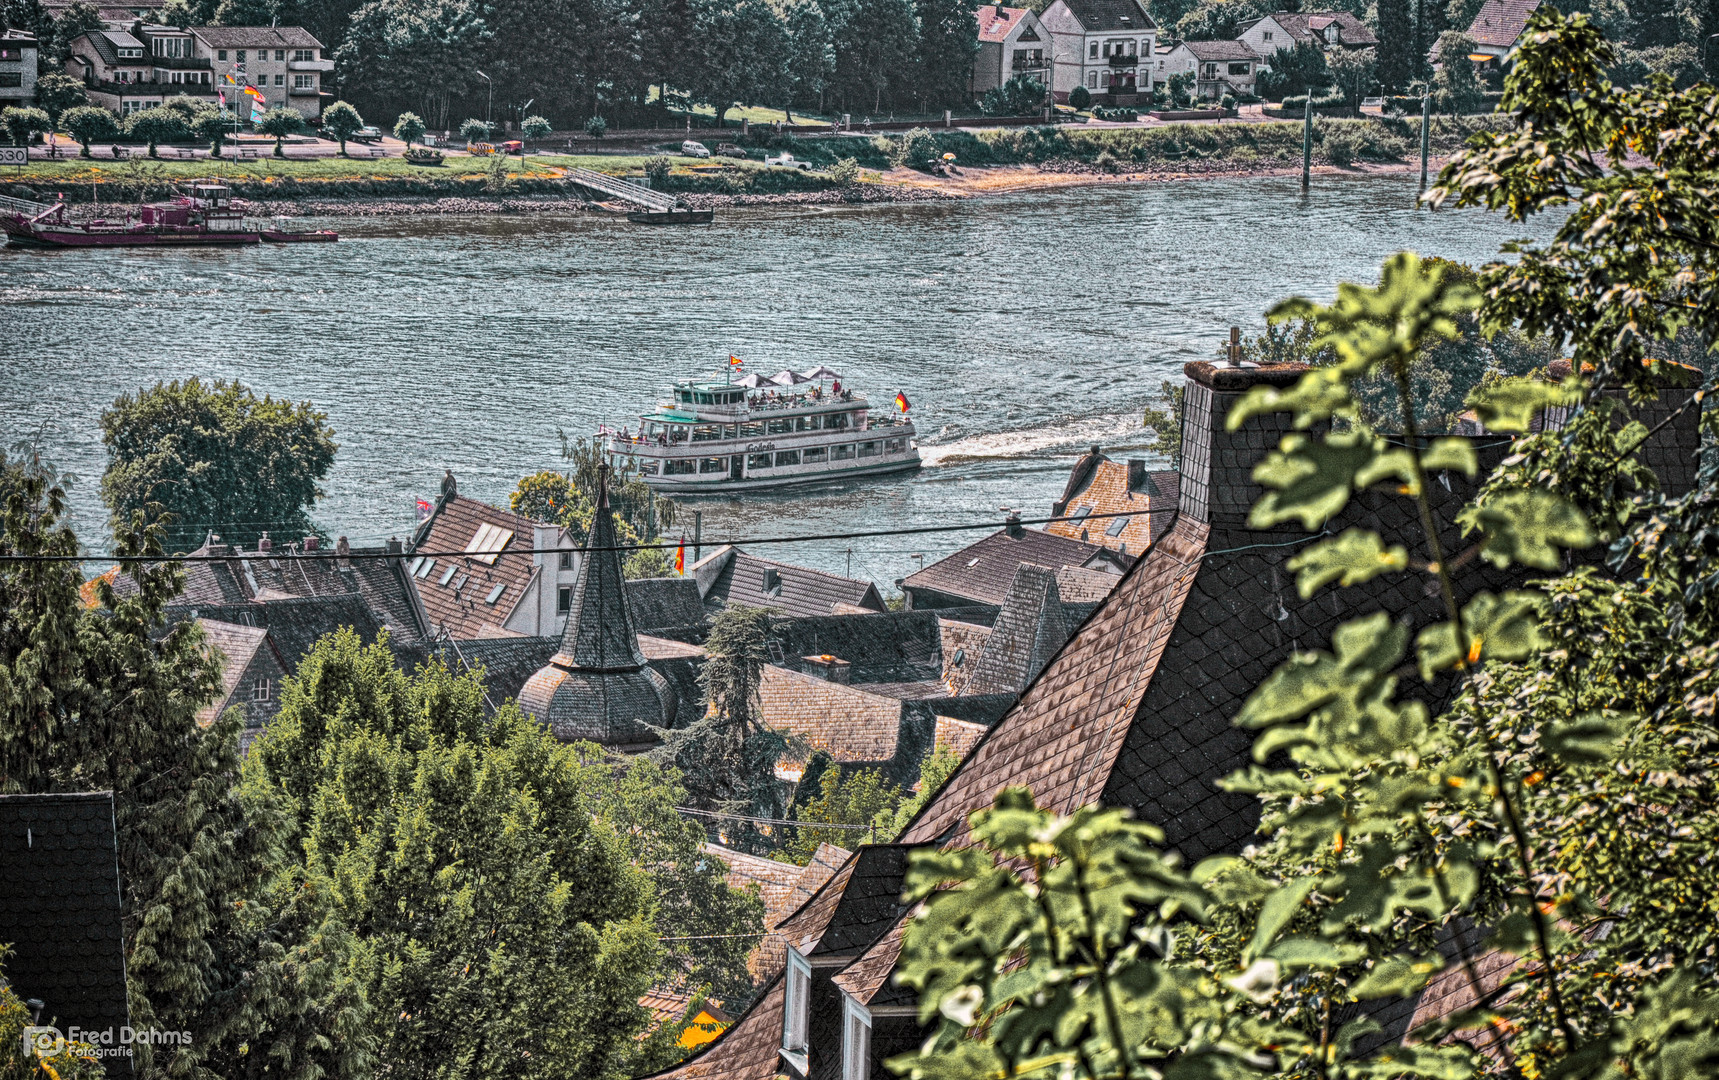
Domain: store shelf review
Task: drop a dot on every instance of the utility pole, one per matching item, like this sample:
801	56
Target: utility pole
1426	134
697	535
1307	143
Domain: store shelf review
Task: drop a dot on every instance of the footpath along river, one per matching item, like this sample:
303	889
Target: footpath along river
1022	328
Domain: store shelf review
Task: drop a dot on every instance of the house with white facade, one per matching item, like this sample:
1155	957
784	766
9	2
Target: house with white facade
128	69
1012	41
1495	29
17	68
1104	45
284	63
1286	29
1218	67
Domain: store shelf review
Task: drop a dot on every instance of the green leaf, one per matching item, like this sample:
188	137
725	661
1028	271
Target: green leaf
1309	479
1276	912
1589	739
1512	405
1301	952
1354	557
1452	453
1498	628
1397	976
1528	526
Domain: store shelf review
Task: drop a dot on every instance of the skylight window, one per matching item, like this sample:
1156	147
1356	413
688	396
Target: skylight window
974	561
495	594
461	583
1116	526
412	569
448	574
488	542
1080	512
424	570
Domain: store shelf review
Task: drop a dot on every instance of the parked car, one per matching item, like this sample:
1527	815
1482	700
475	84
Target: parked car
694	149
786	161
729	150
512	147
367	134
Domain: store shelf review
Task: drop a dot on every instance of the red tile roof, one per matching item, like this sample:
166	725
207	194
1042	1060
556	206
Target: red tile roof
457	603
996	23
1501	22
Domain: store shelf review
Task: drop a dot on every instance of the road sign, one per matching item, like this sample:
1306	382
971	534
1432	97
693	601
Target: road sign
14	155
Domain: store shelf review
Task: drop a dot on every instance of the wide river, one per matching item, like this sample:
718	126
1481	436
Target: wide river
1022	328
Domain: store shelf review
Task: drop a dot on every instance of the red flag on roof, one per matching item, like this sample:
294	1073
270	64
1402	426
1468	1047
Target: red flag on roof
423	509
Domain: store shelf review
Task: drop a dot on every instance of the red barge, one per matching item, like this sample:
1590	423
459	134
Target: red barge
203	216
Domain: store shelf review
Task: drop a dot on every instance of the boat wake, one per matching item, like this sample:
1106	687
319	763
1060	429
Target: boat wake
1068	435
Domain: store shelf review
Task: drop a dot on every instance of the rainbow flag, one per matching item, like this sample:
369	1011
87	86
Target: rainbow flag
901	401
733	361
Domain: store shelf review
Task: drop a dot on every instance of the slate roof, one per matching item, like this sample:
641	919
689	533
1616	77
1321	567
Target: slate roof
790	589
107	44
458	604
597	686
1217	51
847	722
1501	22
260	37
958	735
996	22
749	1047
982	572
1028	632
665	603
1300	25
507	662
894	646
1104	16
60	910
237	645
783	887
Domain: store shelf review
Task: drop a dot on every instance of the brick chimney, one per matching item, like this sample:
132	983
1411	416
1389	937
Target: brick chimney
1136	474
311	543
827	667
1013	524
394	546
1217	464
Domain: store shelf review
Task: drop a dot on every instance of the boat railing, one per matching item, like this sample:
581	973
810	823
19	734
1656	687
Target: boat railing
26	207
801	401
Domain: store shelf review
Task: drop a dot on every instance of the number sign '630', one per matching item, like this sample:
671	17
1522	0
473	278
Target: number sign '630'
13	155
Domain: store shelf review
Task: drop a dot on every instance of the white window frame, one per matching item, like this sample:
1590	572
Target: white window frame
796	1003
260	690
856	1040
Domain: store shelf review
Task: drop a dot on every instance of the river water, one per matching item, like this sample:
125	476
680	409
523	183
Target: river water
1022	328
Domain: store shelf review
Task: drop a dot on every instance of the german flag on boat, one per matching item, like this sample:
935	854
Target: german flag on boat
901	401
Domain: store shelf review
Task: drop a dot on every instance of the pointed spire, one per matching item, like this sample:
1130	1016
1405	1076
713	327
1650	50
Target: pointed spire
600	635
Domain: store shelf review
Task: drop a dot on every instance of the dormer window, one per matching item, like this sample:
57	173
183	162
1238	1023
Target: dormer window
796	1006
1333	34
856	1040
772	581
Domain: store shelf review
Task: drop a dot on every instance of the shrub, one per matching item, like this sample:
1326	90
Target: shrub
1080	97
90	123
845	172
157	125
1020	96
1342	147
1228	101
596	127
535	127
1107	161
474	130
24	123
916	149
657	169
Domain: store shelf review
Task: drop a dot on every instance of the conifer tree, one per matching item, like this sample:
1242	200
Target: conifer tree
1397	62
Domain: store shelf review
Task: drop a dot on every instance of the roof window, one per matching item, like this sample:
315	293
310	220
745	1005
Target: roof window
495	594
424	570
1115	527
487	543
448	574
1080	512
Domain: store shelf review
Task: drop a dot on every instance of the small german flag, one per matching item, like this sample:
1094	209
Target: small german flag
901	401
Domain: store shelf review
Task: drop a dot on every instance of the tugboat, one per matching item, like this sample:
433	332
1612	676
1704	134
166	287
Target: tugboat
762	431
202	215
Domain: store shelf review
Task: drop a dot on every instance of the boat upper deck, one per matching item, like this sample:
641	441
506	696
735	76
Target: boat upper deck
694	402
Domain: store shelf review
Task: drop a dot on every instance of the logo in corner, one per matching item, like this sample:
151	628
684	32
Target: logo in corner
44	1042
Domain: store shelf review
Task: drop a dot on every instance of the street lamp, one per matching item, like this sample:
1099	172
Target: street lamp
1704	45
489	110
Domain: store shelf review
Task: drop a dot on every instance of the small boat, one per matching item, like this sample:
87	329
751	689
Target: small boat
762	432
280	233
202	215
671	217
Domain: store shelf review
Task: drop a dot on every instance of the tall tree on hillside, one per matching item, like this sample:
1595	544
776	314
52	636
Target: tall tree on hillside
424	52
78	19
1397	62
876	45
743	61
948	41
811	58
216	457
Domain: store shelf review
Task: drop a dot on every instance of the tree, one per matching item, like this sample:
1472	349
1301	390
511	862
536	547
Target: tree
474	130
342	121
179	13
24	124
1454	88
811	58
1352	70
185	105
90	123
280	122
1397	62
727	759
1300	70
1165	423
596	126
1079	98
535	127
211	124
409	128
1022	95
74	21
744	47
876	50
56	92
863	797
495	916
156	125
217	458
948	42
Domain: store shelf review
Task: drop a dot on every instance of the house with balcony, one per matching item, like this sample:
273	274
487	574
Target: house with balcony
17	68
1218	67
284	63
128	70
1330	30
1012	42
1103	45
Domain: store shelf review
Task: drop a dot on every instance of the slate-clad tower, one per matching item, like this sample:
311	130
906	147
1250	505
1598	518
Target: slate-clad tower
598	686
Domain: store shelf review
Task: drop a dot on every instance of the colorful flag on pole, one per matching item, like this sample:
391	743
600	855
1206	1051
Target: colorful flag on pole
254	93
222	94
733	361
901	401
423	509
256	112
680	557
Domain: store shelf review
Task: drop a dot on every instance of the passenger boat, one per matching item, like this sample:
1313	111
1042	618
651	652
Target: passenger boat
762	432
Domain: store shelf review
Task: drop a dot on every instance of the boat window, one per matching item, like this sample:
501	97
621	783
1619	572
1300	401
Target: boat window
840	453
702	399
647	468
787	457
895	446
729	431
836	421
713	464
805	423
677	468
815	453
706	432
757	461
684	395
870	449
779	427
1116	526
749	431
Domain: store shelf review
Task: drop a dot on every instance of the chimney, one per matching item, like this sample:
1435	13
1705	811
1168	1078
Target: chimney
1217	464
829	668
1013	524
265	545
1136	474
311	544
342	549
395	547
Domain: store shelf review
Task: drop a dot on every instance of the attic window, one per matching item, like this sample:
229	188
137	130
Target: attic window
412	568
974	561
563	600
461	583
1116	526
1080	512
260	690
488	542
448	574
495	594
424	570
959	658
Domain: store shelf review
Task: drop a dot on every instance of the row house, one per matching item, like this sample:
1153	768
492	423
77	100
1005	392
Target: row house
135	67
17	68
1012	41
1103	45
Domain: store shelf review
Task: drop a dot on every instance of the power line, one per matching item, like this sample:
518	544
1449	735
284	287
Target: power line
654	546
771	820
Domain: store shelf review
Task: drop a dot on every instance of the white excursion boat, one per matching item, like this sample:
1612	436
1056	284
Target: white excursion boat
763	431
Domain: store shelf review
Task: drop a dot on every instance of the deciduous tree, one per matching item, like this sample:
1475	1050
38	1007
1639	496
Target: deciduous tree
342	121
280	122
90	123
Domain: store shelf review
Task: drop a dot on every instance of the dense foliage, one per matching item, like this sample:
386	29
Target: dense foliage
217	458
569	499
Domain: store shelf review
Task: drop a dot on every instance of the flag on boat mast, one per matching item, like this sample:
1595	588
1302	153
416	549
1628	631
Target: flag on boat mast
733	361
901	401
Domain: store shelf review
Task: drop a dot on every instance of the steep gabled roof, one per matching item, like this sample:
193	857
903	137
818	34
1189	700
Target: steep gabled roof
455	591
847	722
791	590
237	645
1309	25
665	603
1219	51
1028	632
982	572
1098	490
996	23
1500	22
1111	16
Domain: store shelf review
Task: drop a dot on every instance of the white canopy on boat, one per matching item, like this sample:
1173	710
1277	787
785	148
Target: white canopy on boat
788	378
820	372
754	381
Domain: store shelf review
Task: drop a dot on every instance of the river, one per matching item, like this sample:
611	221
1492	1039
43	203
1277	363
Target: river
1022	328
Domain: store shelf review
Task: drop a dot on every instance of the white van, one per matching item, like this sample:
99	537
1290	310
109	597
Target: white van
694	149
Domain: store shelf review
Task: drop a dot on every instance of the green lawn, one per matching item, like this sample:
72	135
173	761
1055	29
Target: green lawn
756	114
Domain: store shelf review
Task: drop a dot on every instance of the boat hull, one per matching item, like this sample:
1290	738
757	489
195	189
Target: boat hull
681	488
278	236
30	235
671	217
